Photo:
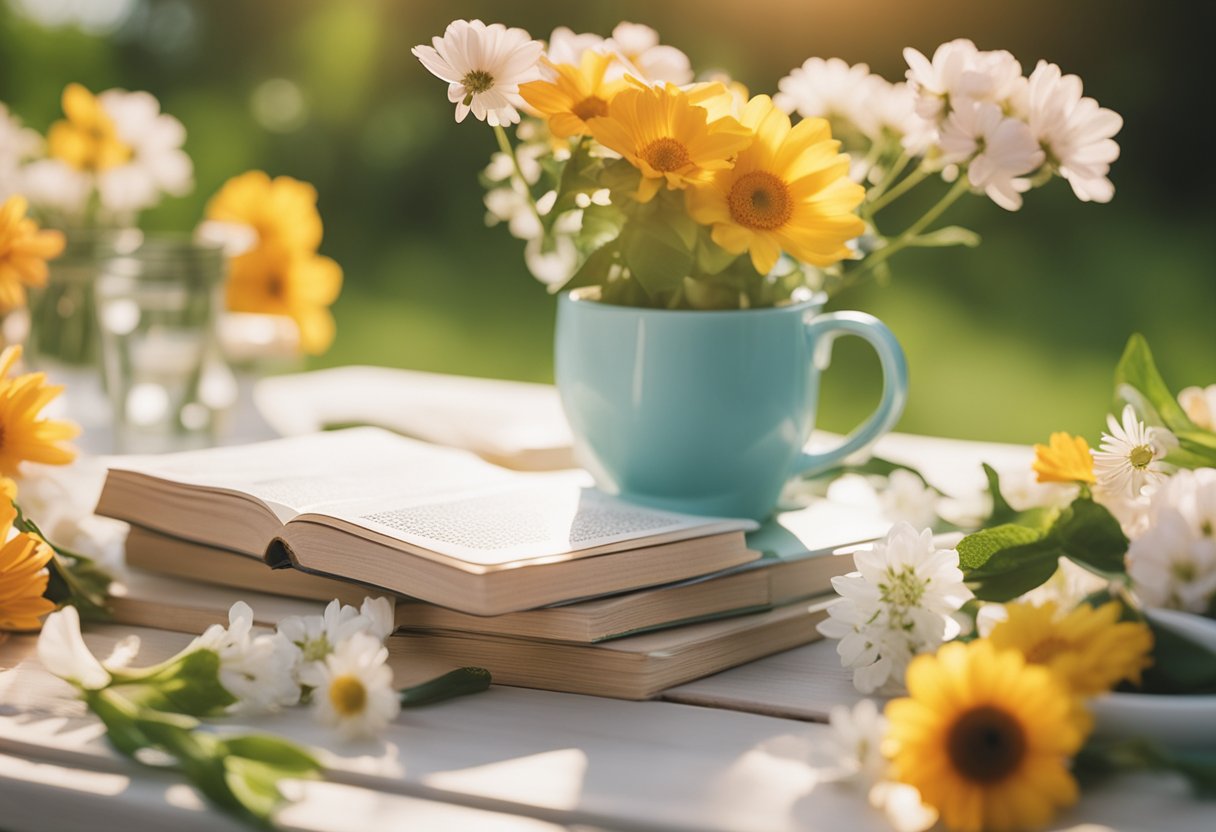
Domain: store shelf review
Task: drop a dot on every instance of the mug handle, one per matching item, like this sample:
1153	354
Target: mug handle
894	382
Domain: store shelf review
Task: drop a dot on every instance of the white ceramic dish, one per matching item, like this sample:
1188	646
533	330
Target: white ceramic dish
1175	721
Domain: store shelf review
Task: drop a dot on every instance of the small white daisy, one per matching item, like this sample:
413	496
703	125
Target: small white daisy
830	89
18	144
356	695
646	58
1199	403
257	669
960	72
1075	131
317	636
854	745
157	166
484	66
902	601
1131	455
567	46
906	497
997	150
1173	563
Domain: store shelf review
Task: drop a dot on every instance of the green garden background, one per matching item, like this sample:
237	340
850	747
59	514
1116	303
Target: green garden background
1008	341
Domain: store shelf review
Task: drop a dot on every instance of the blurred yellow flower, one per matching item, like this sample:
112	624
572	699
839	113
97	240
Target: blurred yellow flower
1066	458
789	191
283	211
1089	649
278	280
24	436
88	138
23	574
985	738
668	137
24	250
577	94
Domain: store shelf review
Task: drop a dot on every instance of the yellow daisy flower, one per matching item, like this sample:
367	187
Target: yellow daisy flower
665	134
277	280
283	211
88	139
985	738
577	94
1089	649
24	436
23	573
24	250
789	191
1066	459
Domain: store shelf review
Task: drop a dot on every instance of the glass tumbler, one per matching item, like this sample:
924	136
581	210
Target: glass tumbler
156	312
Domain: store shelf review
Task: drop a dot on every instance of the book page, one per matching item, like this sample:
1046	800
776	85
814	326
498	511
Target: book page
311	473
533	518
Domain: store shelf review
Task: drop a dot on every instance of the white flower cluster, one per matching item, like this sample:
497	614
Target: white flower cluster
18	145
1173	561
157	165
903	600
970	110
337	661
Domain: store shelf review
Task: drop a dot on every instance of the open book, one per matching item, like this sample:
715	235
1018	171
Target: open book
436	524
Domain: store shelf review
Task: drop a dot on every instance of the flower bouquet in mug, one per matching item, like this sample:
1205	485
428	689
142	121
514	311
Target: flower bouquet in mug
670	190
650	193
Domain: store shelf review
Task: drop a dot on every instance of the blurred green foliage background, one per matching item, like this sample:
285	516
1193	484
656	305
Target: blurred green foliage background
1008	341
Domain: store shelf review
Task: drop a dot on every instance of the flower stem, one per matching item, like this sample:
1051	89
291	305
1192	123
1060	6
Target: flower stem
504	144
890	176
907	238
906	184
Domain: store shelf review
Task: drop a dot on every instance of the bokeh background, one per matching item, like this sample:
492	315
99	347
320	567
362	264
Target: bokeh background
1008	341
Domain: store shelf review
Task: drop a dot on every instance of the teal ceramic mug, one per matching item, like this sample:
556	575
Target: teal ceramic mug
708	412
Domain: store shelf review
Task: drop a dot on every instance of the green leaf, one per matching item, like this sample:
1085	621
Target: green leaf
254	786
711	258
1090	535
1002	512
977	549
459	682
1180	666
1137	370
594	271
656	256
951	235
1014	572
275	751
188	683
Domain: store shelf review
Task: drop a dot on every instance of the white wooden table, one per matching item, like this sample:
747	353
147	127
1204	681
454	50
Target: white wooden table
515	759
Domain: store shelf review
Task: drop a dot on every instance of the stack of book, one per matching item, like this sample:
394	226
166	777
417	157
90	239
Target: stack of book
537	577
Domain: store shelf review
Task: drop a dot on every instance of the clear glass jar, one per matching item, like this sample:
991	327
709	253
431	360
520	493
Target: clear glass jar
156	310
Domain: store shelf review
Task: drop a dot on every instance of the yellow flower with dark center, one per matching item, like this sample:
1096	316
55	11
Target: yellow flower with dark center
789	191
23	435
985	738
577	94
283	211
669	137
24	250
88	138
23	574
277	280
1066	458
1089	649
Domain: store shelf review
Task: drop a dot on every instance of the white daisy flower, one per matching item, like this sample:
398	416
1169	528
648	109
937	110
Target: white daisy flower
1199	403
906	498
997	150
646	58
891	110
62	651
57	187
317	636
484	66
902	601
356	695
18	144
960	72
257	669
567	46
1075	131
1131	455
157	166
1173	563
830	89
853	748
